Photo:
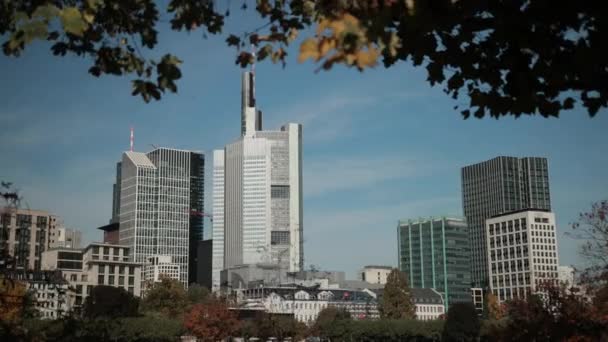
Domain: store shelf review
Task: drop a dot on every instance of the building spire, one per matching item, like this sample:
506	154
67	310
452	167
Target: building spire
131	140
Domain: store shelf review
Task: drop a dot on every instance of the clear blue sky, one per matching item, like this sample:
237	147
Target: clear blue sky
378	146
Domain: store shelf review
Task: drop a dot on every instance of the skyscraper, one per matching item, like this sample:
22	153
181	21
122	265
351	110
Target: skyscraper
434	253
161	206
258	193
498	186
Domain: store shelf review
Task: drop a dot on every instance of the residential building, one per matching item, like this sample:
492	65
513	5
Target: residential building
375	274
161	206
52	295
434	253
24	235
498	186
97	264
259	193
204	263
522	252
428	304
160	266
305	303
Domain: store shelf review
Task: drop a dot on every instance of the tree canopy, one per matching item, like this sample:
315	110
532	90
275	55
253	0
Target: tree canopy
462	323
166	297
396	302
507	57
109	301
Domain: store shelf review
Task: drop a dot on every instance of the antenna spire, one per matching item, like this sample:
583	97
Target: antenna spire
253	53
131	139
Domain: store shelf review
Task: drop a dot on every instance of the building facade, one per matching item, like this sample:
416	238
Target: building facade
65	237
159	266
205	263
161	206
218	218
428	304
498	186
53	298
522	253
259	193
375	274
565	275
24	235
434	253
97	264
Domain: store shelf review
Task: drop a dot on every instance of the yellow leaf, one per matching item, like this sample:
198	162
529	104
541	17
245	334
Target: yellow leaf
322	26
88	17
326	45
308	49
293	34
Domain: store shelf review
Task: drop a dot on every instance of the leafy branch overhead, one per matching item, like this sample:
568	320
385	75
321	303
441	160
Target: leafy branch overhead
506	57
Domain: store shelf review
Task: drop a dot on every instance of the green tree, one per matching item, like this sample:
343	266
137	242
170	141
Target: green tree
462	323
166	297
508	57
332	323
111	302
396	302
198	294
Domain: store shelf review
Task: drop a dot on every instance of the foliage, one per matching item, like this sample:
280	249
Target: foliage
211	321
557	315
495	309
332	323
396	302
396	330
592	227
166	297
111	302
508	57
13	295
266	326
462	323
198	294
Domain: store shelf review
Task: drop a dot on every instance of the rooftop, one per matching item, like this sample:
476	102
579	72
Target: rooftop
521	211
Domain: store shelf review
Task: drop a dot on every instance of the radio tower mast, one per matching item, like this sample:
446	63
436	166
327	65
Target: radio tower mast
131	139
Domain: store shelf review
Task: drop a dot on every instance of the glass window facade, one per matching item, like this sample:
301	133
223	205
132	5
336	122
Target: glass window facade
434	253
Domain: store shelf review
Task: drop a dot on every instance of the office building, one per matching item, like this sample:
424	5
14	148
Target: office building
204	263
96	264
110	233
522	252
24	235
218	219
375	274
65	237
259	193
160	266
498	186
434	253
161	206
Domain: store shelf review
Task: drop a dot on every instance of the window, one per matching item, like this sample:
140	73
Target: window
279	191
131	270
121	270
279	238
111	280
100	279
131	280
121	280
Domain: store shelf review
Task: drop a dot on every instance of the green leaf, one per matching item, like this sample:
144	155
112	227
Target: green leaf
73	21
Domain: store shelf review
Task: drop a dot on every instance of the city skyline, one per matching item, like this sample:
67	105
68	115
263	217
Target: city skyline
410	144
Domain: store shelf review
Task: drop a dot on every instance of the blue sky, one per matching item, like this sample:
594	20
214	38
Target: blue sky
378	146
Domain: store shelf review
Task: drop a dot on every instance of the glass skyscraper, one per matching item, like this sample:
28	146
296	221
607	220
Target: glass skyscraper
494	187
434	253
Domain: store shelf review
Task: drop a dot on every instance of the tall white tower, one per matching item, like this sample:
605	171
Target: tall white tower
258	193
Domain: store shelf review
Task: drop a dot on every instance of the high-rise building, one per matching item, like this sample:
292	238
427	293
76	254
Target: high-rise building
522	253
498	186
161	206
434	253
24	235
65	237
258	193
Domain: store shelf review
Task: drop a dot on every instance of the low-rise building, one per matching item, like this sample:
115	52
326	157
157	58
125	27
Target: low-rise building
53	297
97	264
428	304
158	266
